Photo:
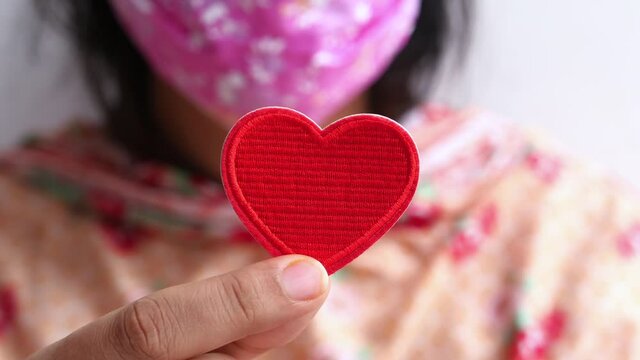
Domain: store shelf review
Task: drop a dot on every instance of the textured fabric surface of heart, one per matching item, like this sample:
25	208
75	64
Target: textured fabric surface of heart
329	194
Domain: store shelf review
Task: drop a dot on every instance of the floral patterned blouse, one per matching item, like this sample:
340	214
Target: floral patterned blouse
509	250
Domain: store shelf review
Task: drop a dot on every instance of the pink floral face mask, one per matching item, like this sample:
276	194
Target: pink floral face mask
233	56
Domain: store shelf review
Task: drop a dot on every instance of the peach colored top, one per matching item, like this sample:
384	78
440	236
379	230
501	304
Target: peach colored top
509	250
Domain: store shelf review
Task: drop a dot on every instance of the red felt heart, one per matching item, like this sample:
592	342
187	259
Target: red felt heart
329	194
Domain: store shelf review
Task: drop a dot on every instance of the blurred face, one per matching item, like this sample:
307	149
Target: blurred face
229	57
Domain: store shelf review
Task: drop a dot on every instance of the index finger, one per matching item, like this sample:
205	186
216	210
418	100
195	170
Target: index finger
196	318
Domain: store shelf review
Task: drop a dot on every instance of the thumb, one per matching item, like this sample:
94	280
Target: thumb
243	312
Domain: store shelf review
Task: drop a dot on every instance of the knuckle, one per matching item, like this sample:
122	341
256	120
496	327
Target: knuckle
238	300
143	330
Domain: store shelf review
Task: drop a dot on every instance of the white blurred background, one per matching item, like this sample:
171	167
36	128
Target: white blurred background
569	67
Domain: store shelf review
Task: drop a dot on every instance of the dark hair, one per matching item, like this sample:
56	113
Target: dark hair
120	78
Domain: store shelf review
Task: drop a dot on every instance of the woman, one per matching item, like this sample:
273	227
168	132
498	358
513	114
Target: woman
117	242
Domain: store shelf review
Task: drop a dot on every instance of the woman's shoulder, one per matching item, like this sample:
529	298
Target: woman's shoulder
475	162
36	205
28	181
473	143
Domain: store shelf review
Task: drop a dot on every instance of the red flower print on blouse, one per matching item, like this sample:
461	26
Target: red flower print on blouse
124	239
473	233
534	343
241	235
8	308
107	206
423	216
152	175
629	242
545	166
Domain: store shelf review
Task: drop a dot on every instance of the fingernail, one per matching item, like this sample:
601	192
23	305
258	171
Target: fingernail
303	280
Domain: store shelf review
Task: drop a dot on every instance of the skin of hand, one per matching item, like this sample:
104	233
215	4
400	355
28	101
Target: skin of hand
238	315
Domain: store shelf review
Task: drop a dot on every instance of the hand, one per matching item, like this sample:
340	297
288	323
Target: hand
238	315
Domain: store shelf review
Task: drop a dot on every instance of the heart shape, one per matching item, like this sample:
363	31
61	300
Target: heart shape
329	194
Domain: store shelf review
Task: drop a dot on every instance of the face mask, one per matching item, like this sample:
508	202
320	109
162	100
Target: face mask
233	56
